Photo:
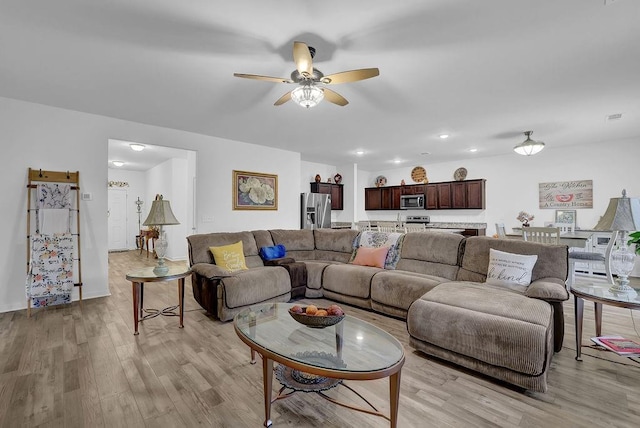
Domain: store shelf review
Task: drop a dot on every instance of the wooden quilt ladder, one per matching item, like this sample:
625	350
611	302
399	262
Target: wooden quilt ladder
72	178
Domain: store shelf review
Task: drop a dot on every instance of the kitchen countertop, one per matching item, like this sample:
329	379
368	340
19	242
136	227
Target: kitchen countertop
432	225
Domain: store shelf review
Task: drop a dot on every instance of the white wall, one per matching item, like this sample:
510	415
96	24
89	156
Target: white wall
169	179
38	136
136	189
512	182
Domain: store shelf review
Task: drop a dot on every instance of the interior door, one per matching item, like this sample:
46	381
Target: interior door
117	219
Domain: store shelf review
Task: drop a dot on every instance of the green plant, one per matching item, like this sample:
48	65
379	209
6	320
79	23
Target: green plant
634	238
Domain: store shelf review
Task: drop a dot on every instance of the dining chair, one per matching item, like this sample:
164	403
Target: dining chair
415	227
543	235
501	231
565	227
363	225
383	228
592	257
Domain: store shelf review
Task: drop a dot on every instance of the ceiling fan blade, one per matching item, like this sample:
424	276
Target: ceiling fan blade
265	78
350	76
283	99
334	97
302	58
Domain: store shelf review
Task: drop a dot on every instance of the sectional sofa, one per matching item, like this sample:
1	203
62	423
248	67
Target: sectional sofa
438	286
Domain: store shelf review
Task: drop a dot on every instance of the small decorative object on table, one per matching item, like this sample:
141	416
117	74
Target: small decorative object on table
318	178
337	178
315	317
524	218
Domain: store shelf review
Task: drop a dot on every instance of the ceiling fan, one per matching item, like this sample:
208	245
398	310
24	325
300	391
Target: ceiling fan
311	81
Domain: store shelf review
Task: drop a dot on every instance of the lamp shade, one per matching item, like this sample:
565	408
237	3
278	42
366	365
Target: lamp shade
160	213
529	147
622	214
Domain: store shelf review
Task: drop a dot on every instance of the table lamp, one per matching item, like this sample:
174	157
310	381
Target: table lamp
623	215
160	215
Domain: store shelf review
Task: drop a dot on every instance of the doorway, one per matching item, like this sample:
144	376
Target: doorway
117	220
140	177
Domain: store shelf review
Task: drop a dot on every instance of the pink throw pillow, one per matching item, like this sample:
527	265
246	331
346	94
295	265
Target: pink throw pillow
367	256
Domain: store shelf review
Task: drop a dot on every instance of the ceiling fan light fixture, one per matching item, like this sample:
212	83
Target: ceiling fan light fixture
307	95
529	147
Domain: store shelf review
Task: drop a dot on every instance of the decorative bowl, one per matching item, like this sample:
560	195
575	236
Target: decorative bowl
316	321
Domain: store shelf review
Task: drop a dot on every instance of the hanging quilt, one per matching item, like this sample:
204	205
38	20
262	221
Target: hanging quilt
50	277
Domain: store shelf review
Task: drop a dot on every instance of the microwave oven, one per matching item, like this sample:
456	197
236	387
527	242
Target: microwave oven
409	202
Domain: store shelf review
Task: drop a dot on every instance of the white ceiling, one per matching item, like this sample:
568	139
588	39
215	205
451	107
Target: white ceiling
481	71
151	156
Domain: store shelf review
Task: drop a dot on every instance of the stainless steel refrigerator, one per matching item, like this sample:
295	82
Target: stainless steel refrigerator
315	211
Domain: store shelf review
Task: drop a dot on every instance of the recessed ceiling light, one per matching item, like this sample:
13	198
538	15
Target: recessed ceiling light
137	147
473	150
443	136
117	163
360	152
397	161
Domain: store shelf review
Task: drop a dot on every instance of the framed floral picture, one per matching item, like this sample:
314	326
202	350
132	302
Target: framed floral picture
566	216
254	191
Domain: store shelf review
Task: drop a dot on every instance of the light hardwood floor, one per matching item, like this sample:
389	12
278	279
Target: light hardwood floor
81	366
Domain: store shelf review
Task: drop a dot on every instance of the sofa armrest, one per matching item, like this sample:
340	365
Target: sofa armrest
549	289
211	271
279	262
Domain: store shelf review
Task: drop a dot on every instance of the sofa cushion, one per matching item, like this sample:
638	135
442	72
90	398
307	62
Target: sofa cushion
350	280
392	240
255	285
299	243
229	257
432	253
371	256
199	246
552	259
488	323
334	244
510	270
400	289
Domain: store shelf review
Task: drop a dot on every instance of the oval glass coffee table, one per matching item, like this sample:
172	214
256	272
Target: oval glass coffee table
318	359
600	295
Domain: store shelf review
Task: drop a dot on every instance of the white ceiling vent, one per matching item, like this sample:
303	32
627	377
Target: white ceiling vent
613	117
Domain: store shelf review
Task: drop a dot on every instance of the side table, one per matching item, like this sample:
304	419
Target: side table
140	276
600	295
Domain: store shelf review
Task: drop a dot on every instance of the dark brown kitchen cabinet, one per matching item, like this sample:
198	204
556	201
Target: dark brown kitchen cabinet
396	192
431	200
372	198
468	194
459	194
444	196
475	194
335	190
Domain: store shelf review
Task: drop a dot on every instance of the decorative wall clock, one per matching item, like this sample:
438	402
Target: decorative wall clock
419	174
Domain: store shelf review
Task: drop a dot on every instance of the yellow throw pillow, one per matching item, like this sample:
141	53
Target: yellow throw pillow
229	257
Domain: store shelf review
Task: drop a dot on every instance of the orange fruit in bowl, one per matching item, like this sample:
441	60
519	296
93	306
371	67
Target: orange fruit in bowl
311	310
321	313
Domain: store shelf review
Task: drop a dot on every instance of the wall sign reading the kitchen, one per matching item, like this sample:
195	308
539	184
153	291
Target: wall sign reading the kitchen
566	194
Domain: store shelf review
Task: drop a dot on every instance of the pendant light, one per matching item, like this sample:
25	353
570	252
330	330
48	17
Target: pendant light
529	147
